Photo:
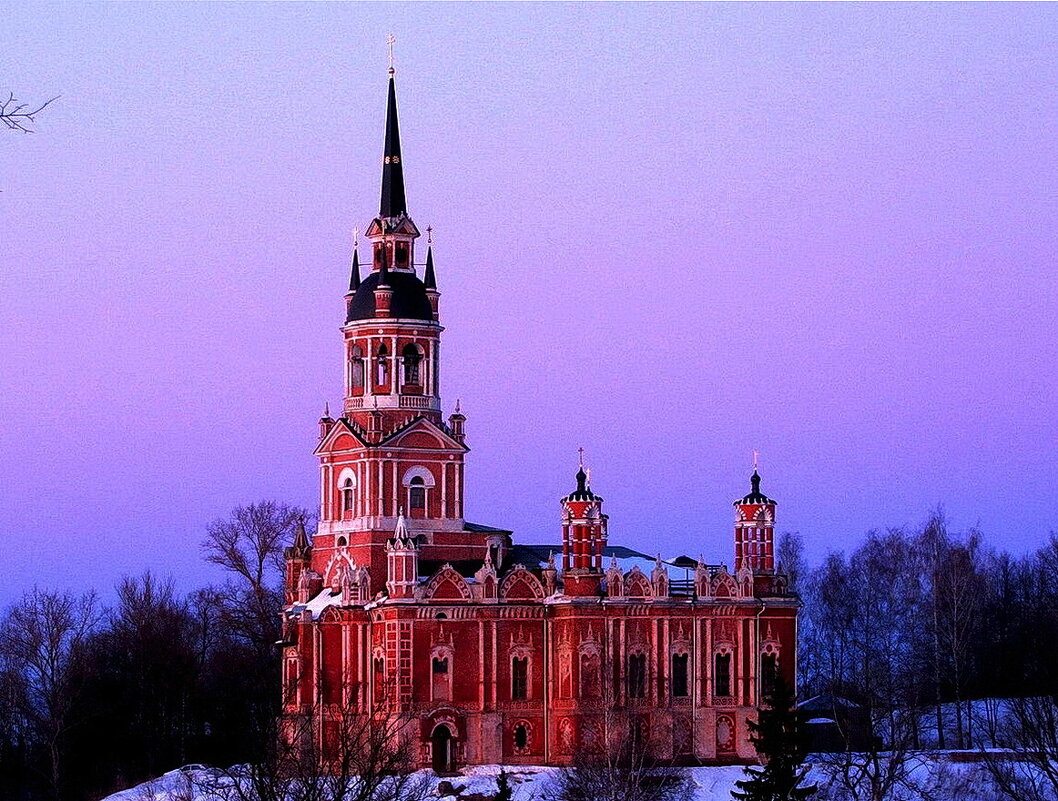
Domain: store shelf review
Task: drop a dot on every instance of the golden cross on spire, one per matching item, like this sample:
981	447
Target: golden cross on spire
756	455
356	237
429	234
581	452
390	41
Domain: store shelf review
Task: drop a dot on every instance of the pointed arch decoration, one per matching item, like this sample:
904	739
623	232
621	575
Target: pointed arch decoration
637	585
446	584
521	584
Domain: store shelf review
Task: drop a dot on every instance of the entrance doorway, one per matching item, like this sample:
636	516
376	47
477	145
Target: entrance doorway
442	749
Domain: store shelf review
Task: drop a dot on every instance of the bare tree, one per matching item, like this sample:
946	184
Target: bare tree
249	546
791	556
45	636
622	770
1027	768
20	116
617	763
334	754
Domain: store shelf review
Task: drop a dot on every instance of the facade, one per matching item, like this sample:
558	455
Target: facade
488	650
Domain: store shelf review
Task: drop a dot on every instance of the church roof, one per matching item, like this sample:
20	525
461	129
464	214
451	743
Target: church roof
408	302
583	491
755	495
485	529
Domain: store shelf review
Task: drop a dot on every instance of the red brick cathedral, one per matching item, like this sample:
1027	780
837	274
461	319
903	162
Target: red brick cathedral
496	652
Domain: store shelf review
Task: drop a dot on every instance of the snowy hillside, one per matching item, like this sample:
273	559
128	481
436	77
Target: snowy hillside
945	780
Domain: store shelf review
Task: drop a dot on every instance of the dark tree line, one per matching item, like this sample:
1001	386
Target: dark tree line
96	698
930	620
911	635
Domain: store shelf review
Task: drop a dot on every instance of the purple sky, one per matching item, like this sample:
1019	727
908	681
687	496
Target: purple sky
668	233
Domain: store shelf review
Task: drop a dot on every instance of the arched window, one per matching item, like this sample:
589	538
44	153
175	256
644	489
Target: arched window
521	737
769	673
679	675
412	358
637	675
418	480
348	498
417	493
342	542
382	365
722	674
442	678
356	369
519	678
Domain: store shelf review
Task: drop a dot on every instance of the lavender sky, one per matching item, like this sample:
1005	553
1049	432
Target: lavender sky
669	233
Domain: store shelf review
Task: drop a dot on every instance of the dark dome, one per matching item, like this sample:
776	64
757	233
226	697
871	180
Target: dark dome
409	301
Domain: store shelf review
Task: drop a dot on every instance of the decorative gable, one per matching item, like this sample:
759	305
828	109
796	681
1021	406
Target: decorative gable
421	433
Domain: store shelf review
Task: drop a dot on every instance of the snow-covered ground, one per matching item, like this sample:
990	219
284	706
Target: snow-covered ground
945	778
528	783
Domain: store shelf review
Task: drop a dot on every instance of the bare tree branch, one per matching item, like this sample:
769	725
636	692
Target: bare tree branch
19	116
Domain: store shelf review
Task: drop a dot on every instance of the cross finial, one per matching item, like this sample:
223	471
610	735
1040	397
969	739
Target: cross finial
390	41
429	234
756	456
581	452
356	237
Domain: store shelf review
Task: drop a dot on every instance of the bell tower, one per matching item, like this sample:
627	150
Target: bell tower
389	461
392	330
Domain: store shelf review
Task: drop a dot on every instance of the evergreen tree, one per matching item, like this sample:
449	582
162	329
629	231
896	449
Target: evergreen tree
504	791
778	734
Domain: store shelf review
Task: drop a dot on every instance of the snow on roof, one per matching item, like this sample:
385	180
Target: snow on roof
318	604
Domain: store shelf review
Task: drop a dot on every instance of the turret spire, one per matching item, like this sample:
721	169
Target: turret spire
393	202
429	280
354	271
301	540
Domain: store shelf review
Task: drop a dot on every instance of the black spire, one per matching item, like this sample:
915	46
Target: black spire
393	203
354	272
429	280
754	481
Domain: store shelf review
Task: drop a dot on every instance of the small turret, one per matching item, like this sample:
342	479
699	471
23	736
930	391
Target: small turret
298	557
326	422
456	424
402	559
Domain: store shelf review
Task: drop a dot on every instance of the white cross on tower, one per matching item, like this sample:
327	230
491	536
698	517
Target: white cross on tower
390	41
